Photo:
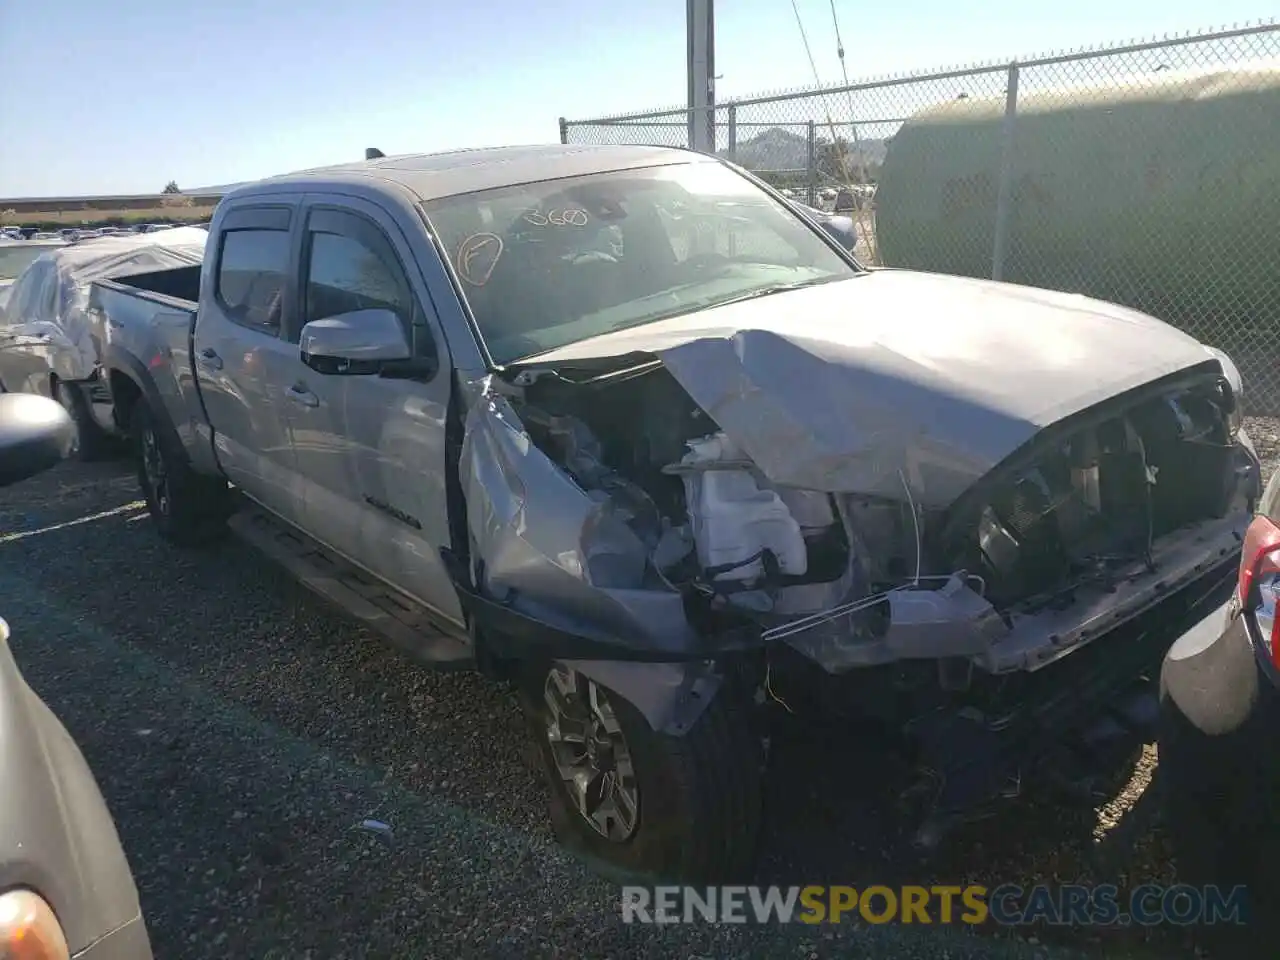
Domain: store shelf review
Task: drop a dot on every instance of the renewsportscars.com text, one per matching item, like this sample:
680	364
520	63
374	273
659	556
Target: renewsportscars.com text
1006	905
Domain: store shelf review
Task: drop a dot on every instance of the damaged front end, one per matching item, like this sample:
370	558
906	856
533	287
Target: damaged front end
615	520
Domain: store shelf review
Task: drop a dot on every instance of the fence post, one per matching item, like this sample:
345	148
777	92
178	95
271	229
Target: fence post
813	163
733	132
1004	189
564	130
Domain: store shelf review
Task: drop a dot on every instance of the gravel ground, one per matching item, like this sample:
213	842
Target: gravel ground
240	731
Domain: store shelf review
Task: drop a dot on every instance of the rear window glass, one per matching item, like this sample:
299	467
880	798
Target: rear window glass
251	276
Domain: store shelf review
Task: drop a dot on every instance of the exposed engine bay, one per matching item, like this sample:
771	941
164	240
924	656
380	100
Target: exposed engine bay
1102	496
1082	527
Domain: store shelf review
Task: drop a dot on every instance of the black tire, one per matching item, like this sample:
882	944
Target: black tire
188	508
699	794
91	442
1219	772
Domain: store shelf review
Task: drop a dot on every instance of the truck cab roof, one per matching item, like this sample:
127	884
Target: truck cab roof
431	176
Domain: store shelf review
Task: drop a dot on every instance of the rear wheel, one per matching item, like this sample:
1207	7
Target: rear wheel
640	804
188	508
90	442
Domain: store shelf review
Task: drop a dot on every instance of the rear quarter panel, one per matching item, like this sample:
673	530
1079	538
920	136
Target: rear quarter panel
147	337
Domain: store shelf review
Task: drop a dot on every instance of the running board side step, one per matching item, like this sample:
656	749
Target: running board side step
384	610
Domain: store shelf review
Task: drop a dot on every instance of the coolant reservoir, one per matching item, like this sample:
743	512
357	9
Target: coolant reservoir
733	520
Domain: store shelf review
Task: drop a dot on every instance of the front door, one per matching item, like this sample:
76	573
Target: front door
243	363
371	449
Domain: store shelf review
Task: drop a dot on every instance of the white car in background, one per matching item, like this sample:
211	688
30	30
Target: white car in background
45	342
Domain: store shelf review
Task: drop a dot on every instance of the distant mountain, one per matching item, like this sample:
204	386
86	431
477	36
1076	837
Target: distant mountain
779	149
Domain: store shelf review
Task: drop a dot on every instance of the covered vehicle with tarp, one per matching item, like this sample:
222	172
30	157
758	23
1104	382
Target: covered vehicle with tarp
44	328
16	254
1162	196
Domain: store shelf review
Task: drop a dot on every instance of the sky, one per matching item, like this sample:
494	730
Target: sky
121	97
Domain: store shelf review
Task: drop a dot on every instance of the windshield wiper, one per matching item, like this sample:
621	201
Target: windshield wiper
696	307
772	289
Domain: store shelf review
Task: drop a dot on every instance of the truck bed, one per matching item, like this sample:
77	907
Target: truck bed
180	284
141	325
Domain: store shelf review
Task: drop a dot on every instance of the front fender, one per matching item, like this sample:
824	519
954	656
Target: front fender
670	689
670	696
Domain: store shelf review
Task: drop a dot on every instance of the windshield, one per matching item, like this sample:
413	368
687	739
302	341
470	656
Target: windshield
14	259
546	264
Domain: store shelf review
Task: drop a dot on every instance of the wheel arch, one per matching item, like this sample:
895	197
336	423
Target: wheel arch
130	382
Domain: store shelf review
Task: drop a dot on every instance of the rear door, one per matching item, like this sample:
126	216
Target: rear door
371	448
243	363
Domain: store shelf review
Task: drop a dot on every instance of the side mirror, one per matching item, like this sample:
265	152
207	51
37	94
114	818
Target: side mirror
362	341
35	434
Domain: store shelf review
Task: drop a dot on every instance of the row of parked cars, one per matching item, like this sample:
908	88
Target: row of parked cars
74	234
631	431
20	246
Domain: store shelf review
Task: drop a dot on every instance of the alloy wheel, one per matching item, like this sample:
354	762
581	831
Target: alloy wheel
591	754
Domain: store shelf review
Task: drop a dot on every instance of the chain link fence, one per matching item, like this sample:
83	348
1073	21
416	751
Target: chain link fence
1147	174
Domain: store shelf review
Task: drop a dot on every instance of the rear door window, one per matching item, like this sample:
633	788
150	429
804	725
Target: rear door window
253	265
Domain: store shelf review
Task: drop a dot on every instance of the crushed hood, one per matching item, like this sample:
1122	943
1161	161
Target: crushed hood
861	385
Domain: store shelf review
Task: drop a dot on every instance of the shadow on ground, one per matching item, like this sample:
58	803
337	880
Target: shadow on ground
242	731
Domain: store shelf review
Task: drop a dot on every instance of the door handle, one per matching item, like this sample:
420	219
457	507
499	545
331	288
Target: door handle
302	396
209	358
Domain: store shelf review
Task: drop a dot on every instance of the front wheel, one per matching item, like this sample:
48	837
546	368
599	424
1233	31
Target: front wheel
188	508
641	804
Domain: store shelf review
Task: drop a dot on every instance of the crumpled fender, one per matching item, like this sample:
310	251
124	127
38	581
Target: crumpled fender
551	550
671	696
671	690
550	577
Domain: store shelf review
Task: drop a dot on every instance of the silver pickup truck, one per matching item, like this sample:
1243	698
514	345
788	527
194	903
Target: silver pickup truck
619	426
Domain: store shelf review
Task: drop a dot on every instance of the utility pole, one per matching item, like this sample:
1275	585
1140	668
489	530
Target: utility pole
700	30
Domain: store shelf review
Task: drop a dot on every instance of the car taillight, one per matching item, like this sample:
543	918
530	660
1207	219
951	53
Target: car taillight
1259	582
29	930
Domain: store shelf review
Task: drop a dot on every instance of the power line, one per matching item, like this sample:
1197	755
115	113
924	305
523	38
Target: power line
835	22
853	127
804	37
